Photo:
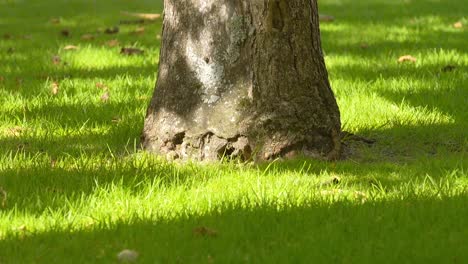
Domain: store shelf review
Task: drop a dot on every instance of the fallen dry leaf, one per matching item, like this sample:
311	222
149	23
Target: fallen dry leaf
458	24
333	181
105	97
112	30
65	32
143	98
70	47
55	20
205	231
2	79
127	255
101	86
142	15
54	88
56	60
112	43
326	18
87	37
116	119
15	131
364	45
360	195
406	58
131	51
100	30
22	146
139	30
7	36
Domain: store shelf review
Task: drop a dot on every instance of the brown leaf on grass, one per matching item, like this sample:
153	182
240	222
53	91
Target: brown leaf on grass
105	97
326	18
100	30
142	98
139	30
406	58
7	36
87	37
54	88
116	119
131	51
2	79
112	30
101	86
65	32
112	43
146	16
333	181
15	131
364	45
458	24
22	146
70	47
204	231
362	196
55	20
56	60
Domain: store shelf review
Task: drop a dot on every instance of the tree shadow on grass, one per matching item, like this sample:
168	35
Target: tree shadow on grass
115	138
82	116
413	230
82	166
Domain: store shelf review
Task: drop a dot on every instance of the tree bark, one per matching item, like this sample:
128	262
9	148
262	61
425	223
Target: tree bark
242	78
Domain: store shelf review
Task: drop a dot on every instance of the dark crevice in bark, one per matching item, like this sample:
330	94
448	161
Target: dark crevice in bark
179	138
213	147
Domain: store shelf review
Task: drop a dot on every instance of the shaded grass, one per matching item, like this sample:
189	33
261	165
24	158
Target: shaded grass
79	191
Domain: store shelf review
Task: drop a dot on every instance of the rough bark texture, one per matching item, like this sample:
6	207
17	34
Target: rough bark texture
244	79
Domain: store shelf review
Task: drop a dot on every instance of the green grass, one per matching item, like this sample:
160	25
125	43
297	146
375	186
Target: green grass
78	191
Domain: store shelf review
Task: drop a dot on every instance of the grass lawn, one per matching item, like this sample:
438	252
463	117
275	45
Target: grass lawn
75	189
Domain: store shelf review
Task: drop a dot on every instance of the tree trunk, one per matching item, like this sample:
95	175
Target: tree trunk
242	78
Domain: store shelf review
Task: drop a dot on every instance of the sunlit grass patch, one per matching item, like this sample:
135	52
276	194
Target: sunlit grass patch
75	187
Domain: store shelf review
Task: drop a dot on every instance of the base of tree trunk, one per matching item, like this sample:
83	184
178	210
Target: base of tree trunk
242	79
